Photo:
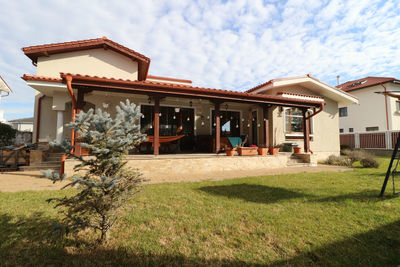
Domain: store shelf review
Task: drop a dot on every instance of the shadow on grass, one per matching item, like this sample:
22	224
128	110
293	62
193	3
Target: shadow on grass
32	241
268	195
253	192
379	247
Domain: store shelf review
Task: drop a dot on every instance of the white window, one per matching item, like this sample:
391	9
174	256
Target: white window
371	129
397	105
343	112
294	122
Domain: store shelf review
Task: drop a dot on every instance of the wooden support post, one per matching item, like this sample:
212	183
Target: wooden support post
306	132
156	116
266	126
217	128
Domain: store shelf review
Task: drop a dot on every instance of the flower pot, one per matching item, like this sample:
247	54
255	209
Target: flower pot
230	152
274	150
297	150
247	151
262	151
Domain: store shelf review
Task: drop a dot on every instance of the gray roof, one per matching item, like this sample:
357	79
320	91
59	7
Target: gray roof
23	120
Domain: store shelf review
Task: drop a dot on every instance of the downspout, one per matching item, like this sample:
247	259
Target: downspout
386	107
321	108
38	117
68	79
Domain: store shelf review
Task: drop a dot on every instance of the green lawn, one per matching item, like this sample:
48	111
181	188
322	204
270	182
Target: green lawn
327	219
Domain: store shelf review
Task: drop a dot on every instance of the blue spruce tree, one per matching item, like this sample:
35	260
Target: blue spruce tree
104	184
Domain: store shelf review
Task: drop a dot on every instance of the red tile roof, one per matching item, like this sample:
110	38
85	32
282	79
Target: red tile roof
170	88
33	52
168	79
364	82
29	77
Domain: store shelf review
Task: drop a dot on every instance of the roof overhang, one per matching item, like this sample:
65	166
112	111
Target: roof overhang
313	84
4	86
48	86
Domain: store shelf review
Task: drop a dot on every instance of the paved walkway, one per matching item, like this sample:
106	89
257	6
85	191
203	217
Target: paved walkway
25	181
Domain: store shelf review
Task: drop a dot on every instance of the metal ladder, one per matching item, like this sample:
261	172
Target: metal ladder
392	169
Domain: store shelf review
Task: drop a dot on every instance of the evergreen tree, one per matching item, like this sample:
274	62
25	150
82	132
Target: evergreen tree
104	184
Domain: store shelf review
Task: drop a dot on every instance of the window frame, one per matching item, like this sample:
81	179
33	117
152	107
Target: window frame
231	110
347	112
294	135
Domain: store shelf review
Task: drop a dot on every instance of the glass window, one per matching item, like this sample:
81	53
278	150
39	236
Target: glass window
341	130
351	130
397	105
371	129
172	121
293	121
343	112
230	123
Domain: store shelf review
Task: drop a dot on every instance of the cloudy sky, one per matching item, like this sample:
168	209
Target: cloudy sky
221	44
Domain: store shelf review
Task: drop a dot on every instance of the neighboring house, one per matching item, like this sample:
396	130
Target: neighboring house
4	91
23	125
100	73
374	112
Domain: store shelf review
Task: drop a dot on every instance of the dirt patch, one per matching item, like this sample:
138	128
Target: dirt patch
26	181
222	175
33	180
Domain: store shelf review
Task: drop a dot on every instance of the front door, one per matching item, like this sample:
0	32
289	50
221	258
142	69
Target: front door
254	128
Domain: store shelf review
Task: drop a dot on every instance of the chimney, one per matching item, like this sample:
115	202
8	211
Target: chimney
338	79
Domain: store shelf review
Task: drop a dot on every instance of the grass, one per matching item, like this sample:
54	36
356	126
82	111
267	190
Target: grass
325	219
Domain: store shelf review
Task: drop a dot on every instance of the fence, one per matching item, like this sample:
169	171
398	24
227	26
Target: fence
375	140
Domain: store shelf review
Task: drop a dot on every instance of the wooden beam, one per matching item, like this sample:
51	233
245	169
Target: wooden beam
266	125
306	131
156	116
217	128
80	102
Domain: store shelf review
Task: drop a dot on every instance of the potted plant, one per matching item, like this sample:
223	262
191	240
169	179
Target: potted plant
231	152
297	149
262	150
274	150
247	151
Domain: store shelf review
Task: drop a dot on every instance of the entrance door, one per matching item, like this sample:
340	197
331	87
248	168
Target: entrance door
254	128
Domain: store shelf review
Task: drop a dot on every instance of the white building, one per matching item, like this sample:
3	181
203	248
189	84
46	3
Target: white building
23	125
374	111
6	89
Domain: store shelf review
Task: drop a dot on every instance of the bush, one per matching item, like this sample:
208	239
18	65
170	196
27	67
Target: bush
337	160
7	134
344	147
355	155
369	162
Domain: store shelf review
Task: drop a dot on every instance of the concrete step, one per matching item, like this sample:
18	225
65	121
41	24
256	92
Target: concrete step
299	165
53	159
46	163
39	168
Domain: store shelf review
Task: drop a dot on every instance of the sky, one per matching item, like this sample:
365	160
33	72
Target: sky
232	45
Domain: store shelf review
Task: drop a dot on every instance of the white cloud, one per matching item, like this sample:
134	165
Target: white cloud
223	44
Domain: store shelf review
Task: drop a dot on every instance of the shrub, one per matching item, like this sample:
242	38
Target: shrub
338	160
369	162
105	186
7	134
345	147
355	155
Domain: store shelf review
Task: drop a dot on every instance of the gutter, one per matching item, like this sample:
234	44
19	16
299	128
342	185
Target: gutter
386	108
68	79
321	108
38	117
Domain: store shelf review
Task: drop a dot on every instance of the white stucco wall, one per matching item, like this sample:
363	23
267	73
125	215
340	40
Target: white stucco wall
325	137
94	62
370	111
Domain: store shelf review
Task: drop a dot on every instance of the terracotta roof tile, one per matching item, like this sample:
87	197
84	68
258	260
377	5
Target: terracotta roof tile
29	77
364	82
185	88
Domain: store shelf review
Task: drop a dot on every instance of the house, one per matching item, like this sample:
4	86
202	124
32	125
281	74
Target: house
23	125
6	89
374	112
79	75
